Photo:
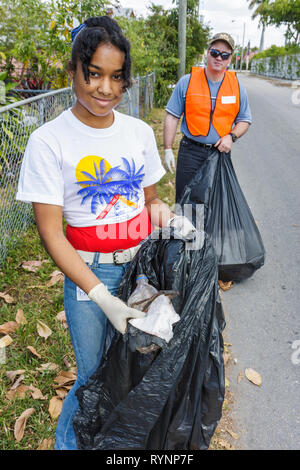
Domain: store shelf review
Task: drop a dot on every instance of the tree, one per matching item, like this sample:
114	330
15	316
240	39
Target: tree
36	36
283	12
259	6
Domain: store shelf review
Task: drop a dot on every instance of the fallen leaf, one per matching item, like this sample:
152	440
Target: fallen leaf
225	285
226	358
8	327
11	374
5	341
36	393
232	434
61	392
20	423
240	377
17	382
66	362
61	316
65	377
225	444
55	407
8	299
43	329
19	392
31	266
49	366
33	350
227	383
20	317
46	444
253	376
56	276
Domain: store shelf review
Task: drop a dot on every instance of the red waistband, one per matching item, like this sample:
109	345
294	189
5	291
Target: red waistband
111	237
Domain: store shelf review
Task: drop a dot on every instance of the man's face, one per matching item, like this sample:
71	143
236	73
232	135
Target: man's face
217	64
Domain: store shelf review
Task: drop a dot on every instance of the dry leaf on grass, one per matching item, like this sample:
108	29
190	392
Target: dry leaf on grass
65	377
46	444
19	392
33	351
36	393
47	367
225	285
61	317
253	376
20	317
43	329
8	327
61	392
17	382
8	299
225	444
5	341
232	434
21	423
11	374
55	407
33	266
56	276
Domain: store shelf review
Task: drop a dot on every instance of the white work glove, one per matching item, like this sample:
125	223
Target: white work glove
115	309
183	226
169	160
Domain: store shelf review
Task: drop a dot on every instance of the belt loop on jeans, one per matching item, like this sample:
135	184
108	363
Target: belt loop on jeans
115	257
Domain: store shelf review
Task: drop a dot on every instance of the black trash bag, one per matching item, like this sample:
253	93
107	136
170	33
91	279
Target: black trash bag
227	218
170	398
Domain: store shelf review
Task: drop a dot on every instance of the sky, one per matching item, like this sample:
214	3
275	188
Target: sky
223	15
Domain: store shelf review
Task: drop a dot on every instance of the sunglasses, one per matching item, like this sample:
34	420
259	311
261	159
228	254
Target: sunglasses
215	53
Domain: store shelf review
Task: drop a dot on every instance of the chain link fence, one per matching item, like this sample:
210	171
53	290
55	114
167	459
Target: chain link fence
17	121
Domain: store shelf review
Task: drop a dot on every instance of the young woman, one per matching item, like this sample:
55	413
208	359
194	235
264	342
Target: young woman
98	169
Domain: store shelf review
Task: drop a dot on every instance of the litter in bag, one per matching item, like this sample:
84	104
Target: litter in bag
227	218
170	398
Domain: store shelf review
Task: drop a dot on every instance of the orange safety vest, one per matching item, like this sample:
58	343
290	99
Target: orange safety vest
198	110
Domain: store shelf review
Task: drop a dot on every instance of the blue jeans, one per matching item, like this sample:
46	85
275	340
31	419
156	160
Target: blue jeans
87	327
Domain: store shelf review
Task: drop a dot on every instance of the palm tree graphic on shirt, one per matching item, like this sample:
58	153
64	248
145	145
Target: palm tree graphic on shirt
109	187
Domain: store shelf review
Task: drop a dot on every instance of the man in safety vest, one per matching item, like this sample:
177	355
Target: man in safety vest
215	112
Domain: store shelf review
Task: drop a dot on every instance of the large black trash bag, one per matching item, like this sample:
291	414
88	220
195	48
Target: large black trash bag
171	398
227	218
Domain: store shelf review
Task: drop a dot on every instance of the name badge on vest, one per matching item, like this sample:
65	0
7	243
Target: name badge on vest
81	295
228	99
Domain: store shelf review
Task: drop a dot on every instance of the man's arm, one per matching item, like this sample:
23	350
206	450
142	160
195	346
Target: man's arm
170	127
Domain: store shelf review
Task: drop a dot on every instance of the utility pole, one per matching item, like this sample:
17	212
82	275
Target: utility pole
181	37
241	60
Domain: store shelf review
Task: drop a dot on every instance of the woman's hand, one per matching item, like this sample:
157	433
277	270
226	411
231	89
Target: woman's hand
117	312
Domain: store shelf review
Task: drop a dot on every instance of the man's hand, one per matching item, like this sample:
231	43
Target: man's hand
169	160
224	144
116	311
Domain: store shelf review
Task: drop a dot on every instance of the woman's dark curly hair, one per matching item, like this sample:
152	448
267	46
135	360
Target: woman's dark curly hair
96	31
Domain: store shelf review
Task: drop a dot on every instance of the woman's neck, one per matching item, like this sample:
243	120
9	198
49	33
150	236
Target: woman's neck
89	119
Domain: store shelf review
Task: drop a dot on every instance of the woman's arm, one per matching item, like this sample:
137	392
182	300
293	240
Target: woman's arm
158	211
49	223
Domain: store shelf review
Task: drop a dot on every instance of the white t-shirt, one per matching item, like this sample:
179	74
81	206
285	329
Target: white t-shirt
96	175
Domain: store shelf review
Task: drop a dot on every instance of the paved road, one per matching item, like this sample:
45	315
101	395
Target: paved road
262	313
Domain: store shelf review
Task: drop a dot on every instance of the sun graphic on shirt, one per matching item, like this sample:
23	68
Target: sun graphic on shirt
106	185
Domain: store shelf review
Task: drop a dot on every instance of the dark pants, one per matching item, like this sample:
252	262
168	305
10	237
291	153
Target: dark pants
191	156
